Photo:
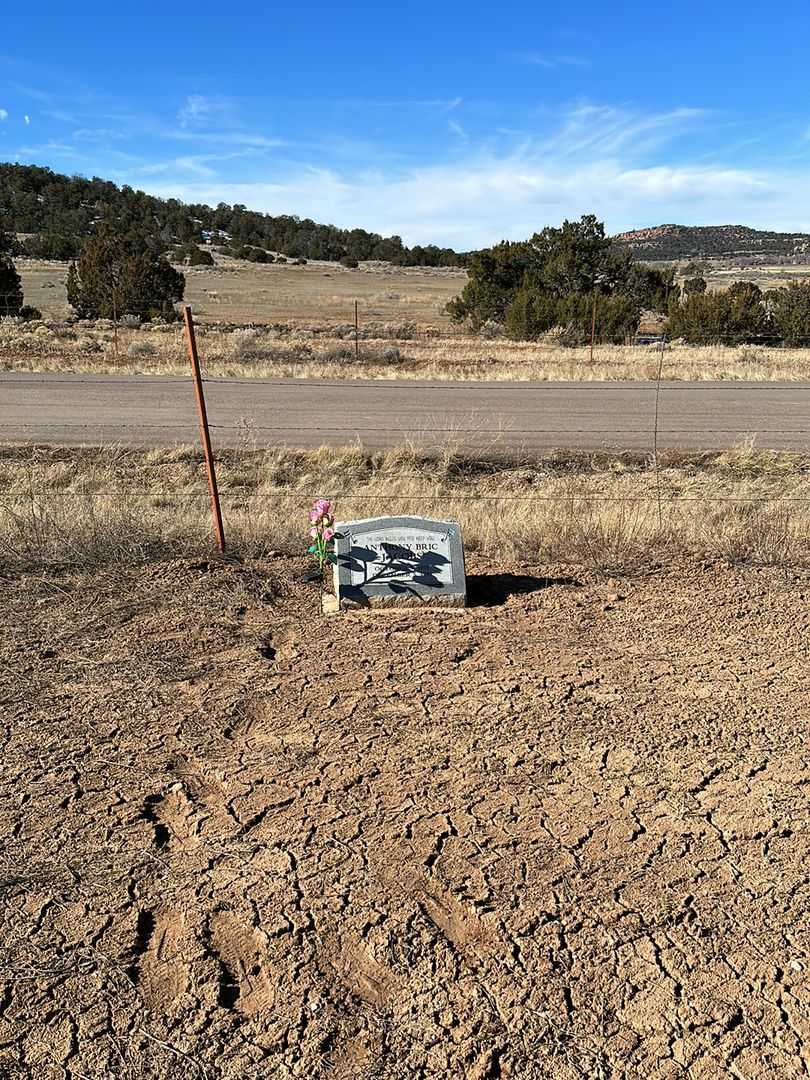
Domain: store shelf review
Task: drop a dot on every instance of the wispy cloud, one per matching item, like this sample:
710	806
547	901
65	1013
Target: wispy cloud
478	203
228	138
200	110
196	164
44	150
598	160
101	135
3	114
440	105
461	184
604	130
554	61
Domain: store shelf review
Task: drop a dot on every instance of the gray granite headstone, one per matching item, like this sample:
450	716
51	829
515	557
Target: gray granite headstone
399	562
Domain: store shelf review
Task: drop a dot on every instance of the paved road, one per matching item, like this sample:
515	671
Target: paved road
491	417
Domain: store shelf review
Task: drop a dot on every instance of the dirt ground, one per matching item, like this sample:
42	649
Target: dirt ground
563	833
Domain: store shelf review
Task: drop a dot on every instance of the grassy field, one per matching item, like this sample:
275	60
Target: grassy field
240	292
322	293
395	351
303	327
82	506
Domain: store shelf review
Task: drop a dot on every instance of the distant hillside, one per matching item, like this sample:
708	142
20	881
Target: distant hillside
61	211
713	242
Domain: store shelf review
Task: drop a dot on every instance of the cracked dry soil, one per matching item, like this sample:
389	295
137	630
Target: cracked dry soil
563	833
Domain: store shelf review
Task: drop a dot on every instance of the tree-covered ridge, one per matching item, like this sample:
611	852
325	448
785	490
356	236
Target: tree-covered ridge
712	241
62	211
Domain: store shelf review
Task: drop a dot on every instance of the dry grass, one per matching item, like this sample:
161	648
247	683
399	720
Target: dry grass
302	319
234	291
240	292
88	506
395	351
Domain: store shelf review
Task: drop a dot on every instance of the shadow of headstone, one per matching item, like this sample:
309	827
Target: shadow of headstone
490	590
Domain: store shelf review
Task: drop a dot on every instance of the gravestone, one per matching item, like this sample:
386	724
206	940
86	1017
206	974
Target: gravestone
399	562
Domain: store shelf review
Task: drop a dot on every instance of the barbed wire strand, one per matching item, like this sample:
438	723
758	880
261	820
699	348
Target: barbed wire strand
44	493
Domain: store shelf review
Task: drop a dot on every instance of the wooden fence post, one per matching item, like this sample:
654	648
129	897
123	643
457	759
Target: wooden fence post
213	491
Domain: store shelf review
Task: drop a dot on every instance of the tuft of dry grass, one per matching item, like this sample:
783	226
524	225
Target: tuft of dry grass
93	505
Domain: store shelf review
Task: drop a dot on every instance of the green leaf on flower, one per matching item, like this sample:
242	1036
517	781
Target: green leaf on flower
311	550
331	557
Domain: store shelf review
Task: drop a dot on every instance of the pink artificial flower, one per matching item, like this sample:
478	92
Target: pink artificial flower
314	516
328	534
313	533
324	505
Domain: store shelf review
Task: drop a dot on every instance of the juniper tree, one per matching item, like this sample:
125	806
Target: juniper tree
117	276
11	293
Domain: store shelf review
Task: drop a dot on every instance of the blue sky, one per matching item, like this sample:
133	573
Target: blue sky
443	122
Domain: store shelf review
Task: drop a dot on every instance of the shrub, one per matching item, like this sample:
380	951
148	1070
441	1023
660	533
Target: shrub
28	313
52	246
494	278
534	312
731	317
791	312
192	255
141	348
11	294
116	275
349	262
531	313
700	319
338	354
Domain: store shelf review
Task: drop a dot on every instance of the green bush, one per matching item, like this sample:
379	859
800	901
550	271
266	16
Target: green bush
11	293
349	262
791	312
534	312
732	317
116	276
531	313
52	246
192	255
494	278
29	313
548	280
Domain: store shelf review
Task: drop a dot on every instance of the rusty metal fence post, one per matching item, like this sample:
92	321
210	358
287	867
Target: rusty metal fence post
205	436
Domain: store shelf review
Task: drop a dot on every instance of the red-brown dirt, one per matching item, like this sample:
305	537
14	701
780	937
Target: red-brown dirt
563	833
